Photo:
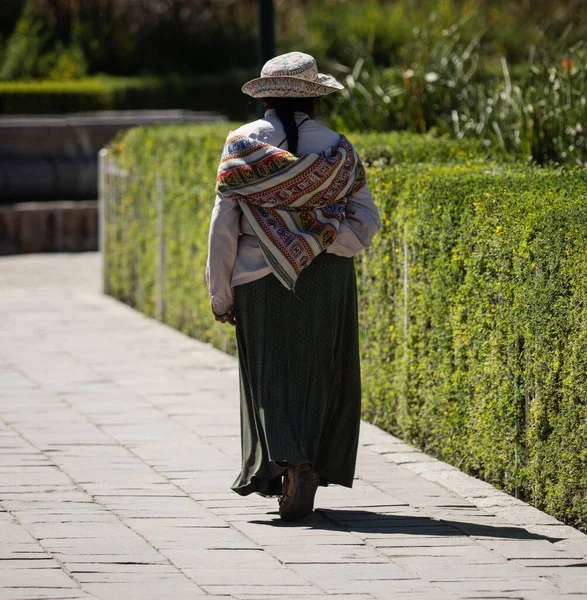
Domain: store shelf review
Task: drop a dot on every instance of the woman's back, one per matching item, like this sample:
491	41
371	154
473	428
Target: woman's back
235	259
313	138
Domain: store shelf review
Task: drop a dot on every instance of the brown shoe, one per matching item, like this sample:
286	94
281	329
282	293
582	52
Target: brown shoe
298	501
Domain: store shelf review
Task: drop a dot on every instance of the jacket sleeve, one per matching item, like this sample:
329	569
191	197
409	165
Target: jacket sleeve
360	224
222	249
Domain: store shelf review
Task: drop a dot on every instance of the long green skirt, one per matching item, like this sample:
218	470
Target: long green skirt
300	381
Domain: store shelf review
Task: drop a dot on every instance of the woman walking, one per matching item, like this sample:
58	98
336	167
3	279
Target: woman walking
292	209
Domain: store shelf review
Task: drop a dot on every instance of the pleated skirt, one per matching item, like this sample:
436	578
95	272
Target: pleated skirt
300	381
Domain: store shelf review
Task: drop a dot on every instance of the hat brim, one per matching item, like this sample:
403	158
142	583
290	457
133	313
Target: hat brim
286	86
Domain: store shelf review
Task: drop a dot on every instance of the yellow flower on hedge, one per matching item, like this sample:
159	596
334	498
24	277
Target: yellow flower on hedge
498	229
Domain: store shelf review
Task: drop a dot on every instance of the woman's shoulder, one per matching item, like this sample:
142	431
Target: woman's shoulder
315	136
325	132
263	129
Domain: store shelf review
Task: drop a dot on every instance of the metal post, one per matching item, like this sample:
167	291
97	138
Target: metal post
406	291
160	307
266	39
266	30
103	216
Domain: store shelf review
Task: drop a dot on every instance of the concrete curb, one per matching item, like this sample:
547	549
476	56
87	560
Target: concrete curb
480	493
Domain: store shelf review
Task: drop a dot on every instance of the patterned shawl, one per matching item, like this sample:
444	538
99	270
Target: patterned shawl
294	204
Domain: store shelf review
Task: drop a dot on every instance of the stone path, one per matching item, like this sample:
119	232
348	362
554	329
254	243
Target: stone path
119	441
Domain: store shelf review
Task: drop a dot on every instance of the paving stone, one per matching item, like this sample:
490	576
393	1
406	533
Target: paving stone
187	558
120	545
22	551
38	518
317	541
276	593
569	584
42	593
42	562
244	576
151	590
541	563
50	578
532	595
11	532
75	558
333	578
454	553
336	554
184	532
126	577
483	585
109	566
425	541
442	568
44	531
273	591
531	549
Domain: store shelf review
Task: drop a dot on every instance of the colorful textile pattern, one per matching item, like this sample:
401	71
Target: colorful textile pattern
294	204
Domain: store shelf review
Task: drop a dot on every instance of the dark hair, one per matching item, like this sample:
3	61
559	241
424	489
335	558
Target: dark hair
285	109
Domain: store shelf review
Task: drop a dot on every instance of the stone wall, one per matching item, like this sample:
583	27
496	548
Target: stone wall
49	227
55	157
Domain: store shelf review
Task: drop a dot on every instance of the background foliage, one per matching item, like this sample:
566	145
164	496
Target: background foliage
198	92
479	356
132	37
512	74
536	111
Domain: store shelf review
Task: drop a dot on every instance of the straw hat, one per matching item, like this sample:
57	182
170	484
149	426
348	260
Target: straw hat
291	75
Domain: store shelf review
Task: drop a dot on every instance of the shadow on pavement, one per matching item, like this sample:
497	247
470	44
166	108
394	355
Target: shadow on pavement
366	522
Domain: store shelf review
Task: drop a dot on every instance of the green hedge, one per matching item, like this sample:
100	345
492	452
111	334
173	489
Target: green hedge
219	93
479	354
46	97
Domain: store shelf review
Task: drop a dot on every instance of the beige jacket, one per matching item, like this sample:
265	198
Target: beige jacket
234	255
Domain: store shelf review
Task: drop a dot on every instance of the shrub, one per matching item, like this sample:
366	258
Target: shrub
23	48
478	355
218	93
185	177
45	97
126	37
537	114
341	31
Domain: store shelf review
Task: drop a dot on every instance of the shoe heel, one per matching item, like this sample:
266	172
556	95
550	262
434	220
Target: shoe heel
302	502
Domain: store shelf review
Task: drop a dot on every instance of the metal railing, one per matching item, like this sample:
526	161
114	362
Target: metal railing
113	186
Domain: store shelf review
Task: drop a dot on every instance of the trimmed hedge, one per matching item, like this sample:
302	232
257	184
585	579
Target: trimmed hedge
219	93
479	355
46	97
188	158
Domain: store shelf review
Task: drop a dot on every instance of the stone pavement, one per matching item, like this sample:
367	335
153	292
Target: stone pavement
119	441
